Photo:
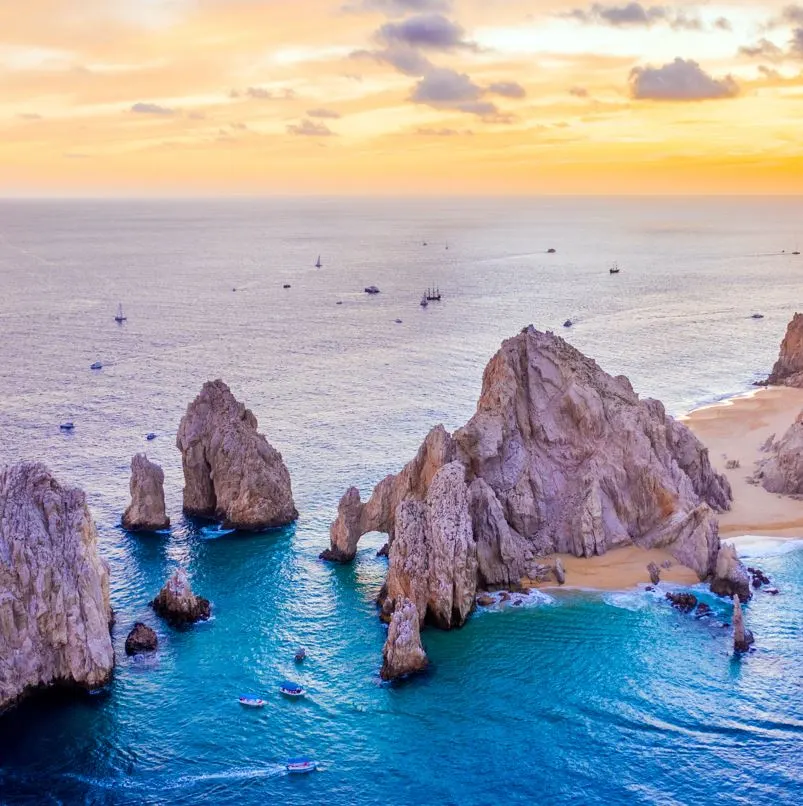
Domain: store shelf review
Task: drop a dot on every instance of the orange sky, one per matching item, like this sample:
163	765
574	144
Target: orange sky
115	97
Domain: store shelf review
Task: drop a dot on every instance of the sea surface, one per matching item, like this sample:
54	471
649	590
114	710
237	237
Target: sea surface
572	698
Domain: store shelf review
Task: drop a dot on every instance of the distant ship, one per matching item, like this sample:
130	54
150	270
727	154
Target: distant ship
433	294
120	317
614	269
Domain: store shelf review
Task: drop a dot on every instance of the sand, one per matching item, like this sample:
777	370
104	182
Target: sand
736	429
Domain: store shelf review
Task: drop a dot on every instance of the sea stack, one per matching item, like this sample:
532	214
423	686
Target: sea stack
231	472
146	512
560	457
54	587
403	654
177	604
788	369
742	637
141	639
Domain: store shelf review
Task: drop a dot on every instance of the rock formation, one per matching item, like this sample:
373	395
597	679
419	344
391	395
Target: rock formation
177	604
742	637
560	457
403	653
685	602
782	471
231	471
788	369
655	573
54	587
141	639
560	573
730	577
146	512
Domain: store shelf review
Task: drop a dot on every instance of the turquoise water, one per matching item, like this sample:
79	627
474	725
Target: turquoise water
583	697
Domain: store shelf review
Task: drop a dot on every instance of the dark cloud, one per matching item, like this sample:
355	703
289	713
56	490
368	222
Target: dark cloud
763	49
152	109
405	59
768	72
425	31
579	92
792	15
723	24
507	89
796	43
635	15
680	80
444	88
323	113
309	128
398	8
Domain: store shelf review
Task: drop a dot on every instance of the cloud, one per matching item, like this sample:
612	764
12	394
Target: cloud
196	116
442	132
261	94
425	31
403	58
723	24
74	155
152	109
680	80
29	116
323	113
444	88
796	43
635	15
579	92
507	89
792	15
763	49
398	8
309	128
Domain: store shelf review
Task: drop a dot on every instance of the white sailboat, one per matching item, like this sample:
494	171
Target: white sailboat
120	316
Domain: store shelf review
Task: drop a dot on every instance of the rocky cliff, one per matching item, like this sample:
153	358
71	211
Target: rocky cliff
177	604
231	471
782	471
54	587
560	457
146	512
788	369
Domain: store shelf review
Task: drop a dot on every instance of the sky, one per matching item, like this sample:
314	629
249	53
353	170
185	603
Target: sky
399	97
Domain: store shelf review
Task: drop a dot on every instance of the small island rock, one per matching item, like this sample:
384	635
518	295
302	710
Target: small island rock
742	637
177	604
403	653
141	639
730	576
146	512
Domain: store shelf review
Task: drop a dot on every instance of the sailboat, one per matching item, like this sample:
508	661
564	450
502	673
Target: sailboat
318	264
614	269
433	294
120	317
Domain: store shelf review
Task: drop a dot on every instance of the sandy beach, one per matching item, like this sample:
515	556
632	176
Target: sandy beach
736	429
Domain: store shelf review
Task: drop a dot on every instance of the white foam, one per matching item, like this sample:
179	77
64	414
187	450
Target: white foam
761	546
531	598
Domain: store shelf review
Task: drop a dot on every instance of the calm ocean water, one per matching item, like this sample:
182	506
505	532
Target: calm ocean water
580	698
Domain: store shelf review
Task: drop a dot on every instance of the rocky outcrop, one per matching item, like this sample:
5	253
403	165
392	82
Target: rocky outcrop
231	472
560	457
742	637
788	369
685	602
782	471
54	587
177	604
655	573
146	512
730	577
560	573
403	654
141	639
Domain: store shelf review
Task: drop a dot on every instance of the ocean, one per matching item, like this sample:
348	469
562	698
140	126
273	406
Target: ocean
577	697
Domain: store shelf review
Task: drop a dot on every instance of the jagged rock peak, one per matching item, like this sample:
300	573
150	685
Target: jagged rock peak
54	587
782	471
146	512
403	653
742	637
177	604
231	471
788	369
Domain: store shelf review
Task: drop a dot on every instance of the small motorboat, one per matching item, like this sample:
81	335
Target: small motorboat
301	653
300	765
757	316
614	269
286	285
290	689
568	323
150	436
397	321
424	301
796	252
96	365
68	426
371	289
251	701
120	316
551	251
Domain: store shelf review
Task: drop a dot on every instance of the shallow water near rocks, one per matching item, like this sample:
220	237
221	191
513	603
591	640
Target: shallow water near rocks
572	697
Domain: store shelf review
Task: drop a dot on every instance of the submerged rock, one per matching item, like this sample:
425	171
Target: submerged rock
782	471
685	602
742	637
177	604
403	653
730	576
146	512
54	587
788	369
141	639
231	471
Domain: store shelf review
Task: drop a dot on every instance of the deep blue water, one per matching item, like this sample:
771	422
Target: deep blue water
584	697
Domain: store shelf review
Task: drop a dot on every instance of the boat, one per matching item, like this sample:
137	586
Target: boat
301	653
300	765
568	323
251	701
433	294
371	289
290	689
286	285
796	252
551	251
150	436
757	316
96	365
424	301
68	426
614	269
120	316
318	263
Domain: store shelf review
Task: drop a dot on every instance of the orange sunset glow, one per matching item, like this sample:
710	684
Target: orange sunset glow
137	97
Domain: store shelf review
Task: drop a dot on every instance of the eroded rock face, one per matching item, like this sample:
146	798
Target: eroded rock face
403	653
788	369
742	637
146	512
231	471
730	577
177	604
54	587
782	471
141	639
